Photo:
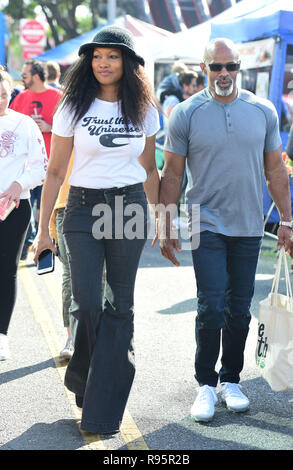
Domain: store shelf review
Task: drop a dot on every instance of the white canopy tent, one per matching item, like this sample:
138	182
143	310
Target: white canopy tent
189	45
148	41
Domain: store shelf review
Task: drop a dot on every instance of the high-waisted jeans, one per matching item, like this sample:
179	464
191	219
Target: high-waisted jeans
99	227
225	270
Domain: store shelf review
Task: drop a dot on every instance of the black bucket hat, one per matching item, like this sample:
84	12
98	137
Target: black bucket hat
113	36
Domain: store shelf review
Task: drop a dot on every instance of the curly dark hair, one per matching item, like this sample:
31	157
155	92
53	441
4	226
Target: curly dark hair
81	88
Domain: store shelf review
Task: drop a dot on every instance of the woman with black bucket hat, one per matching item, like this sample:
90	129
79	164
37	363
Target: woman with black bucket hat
108	118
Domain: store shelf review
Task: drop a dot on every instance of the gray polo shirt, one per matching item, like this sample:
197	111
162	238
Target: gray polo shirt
224	146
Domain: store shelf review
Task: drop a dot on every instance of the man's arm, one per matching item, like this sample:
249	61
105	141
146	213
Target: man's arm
148	161
278	185
170	190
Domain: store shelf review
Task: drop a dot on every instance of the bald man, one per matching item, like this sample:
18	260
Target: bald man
226	137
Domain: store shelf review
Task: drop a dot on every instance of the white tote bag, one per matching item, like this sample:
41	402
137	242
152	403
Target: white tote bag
274	349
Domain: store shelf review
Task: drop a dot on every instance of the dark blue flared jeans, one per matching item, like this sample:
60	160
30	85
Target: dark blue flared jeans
225	270
103	226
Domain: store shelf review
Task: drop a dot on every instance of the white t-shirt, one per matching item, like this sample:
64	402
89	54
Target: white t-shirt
23	156
105	154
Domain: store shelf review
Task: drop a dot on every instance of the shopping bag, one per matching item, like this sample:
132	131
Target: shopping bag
274	349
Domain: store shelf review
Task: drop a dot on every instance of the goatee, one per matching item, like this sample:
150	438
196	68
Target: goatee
223	91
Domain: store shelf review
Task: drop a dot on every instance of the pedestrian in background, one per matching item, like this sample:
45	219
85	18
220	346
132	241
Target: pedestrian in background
200	82
56	233
171	82
227	137
53	74
108	117
39	101
23	163
187	81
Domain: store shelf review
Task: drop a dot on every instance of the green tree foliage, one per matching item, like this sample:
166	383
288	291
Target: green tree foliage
18	9
61	14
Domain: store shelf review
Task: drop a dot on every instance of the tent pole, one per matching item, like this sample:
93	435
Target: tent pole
111	10
277	77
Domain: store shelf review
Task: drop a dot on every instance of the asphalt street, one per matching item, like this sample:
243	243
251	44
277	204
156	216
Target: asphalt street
38	413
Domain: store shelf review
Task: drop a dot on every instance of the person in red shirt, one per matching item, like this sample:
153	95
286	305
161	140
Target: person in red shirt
38	100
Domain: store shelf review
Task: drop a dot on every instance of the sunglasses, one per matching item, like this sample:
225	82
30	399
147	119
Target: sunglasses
230	67
23	75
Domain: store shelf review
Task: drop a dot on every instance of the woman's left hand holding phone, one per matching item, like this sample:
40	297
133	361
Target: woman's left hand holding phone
41	243
61	150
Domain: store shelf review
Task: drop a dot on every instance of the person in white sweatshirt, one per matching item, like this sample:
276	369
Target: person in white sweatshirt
23	163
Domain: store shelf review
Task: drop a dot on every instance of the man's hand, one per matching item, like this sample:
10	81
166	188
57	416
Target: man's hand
156	237
168	236
167	249
285	238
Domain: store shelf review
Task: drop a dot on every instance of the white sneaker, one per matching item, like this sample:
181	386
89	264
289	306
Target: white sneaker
68	349
203	409
4	347
233	397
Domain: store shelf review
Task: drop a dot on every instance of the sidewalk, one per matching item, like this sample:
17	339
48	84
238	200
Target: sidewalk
38	412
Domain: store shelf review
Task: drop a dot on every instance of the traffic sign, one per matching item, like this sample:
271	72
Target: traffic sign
30	52
32	32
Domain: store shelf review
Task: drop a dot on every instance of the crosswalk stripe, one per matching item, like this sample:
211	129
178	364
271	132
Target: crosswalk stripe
131	434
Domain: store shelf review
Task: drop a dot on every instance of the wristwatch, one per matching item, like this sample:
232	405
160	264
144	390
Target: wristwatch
287	223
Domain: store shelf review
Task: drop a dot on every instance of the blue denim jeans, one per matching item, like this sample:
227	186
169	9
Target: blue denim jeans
225	270
102	367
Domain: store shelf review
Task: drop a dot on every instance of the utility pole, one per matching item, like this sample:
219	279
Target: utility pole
111	10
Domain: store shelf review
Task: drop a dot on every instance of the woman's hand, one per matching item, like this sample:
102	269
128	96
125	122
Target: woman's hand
12	194
41	243
156	236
